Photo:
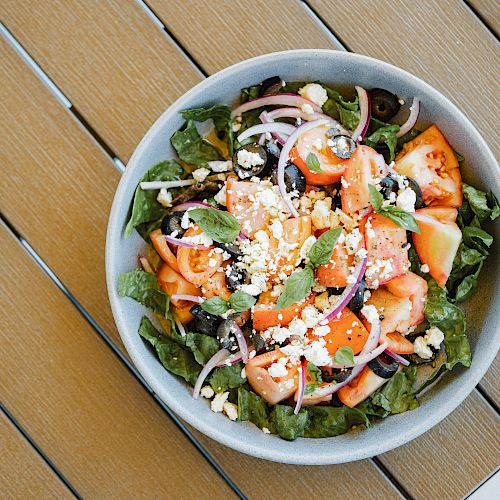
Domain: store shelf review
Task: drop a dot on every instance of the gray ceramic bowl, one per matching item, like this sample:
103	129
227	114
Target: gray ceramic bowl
337	69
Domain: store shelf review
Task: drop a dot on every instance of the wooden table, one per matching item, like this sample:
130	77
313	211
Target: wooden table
81	82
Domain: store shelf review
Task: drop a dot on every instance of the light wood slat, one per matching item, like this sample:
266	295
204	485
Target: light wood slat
39	132
115	65
236	30
490	382
453	457
23	473
79	403
489	11
440	41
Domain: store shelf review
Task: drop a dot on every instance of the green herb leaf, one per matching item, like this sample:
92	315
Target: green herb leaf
215	305
219	225
321	251
313	164
254	409
314	372
376	198
327	421
484	205
227	377
145	207
191	148
296	287
288	425
202	346
384	134
241	301
344	356
347	112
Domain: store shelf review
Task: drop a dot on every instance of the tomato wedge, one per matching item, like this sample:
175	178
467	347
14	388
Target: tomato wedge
197	265
216	285
161	246
336	272
431	161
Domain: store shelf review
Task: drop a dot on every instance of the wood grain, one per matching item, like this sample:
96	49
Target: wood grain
236	30
440	41
114	64
490	382
23	473
38	131
453	457
489	11
84	408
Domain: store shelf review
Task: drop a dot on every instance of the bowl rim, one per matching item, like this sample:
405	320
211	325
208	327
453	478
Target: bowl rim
115	226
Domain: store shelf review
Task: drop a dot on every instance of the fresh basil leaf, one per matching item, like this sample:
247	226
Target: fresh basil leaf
215	305
344	356
401	218
227	377
322	249
145	207
313	164
219	225
288	425
384	134
296	287
241	301
314	372
202	346
254	409
172	356
327	421
220	114
484	205
191	148
376	198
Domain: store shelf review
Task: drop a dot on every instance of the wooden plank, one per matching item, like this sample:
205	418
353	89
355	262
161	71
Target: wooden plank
490	381
23	473
114	64
453	457
237	30
440	41
489	11
39	132
79	403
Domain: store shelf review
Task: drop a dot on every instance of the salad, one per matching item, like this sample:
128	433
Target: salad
305	255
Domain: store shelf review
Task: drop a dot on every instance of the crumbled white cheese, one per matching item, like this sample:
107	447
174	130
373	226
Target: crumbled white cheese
433	337
231	410
406	200
314	92
277	370
276	229
311	316
353	241
243	373
424	268
220	197
207	392
321	214
164	198
317	353
305	248
421	348
247	159
253	290
297	327
201	239
221	166
200	174
185	220
265	430
307	109
370	313
279	334
321	331
217	403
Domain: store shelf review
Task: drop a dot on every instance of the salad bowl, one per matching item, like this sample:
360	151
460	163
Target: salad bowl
340	70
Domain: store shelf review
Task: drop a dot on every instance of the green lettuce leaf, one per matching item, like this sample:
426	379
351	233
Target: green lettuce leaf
173	356
191	148
483	205
202	346
253	408
288	425
327	421
227	377
385	133
145	208
347	112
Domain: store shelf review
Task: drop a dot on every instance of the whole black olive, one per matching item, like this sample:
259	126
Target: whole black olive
332	374
336	401
273	154
342	146
384	105
384	366
270	85
356	302
413	185
389	185
204	322
236	278
257	341
336	291
171	223
252	166
225	334
295	180
231	248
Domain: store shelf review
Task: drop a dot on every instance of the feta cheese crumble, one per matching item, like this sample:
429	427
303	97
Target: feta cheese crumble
314	92
433	337
207	392
247	159
406	200
217	403
200	174
277	370
231	410
164	198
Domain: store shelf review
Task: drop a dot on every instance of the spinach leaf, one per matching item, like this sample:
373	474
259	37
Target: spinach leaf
386	133
451	321
191	148
347	112
219	225
143	287
202	346
254	409
322	249
293	87
227	377
173	356
327	421
288	425
296	287
220	114
145	208
484	205
249	93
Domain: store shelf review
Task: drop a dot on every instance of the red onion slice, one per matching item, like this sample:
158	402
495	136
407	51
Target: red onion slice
285	151
190	298
212	363
364	114
180	327
144	263
362	359
412	118
264	118
262	128
191	204
275	100
302	386
298	113
349	291
397	357
178	242
231	360
242	343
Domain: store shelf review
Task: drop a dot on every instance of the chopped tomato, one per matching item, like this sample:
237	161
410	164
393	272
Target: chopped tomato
332	166
398	344
335	273
265	316
197	265
272	389
364	167
240	196
413	287
385	243
438	241
295	232
161	246
216	285
172	283
431	161
347	330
